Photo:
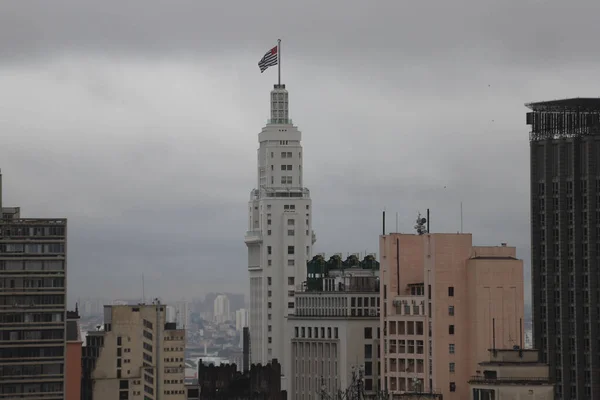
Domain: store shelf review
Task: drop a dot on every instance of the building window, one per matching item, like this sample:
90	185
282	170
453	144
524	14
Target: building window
269	232
290	280
453	386
269	293
269	250
296	331
368	333
451	348
451	310
291	222
269	281
368	351
269	328
290	263
269	305
451	291
451	329
270	339
291	304
290	250
335	333
119	340
269	262
291	232
268	222
451	367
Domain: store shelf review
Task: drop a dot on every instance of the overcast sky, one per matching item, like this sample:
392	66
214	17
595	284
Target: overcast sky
138	121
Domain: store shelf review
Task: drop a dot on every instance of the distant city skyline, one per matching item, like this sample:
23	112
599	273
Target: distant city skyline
144	137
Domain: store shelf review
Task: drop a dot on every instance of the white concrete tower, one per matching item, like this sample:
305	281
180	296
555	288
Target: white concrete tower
279	236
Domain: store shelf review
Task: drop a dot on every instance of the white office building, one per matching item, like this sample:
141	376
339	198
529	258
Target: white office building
241	319
280	235
221	309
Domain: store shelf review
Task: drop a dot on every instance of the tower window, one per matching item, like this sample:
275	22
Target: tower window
290	249
291	222
451	291
269	249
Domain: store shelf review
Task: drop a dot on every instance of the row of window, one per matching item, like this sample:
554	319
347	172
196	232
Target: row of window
16	230
54	248
32	265
32	352
32	300
313	333
26	388
46	334
405	327
32	283
31	317
40	369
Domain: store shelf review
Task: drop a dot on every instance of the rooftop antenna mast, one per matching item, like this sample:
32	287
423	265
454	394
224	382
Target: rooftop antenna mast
420	226
143	290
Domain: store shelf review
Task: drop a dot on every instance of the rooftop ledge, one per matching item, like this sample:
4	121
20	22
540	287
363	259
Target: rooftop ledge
478	379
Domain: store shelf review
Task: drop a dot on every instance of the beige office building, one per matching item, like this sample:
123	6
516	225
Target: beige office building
333	333
513	374
445	302
142	356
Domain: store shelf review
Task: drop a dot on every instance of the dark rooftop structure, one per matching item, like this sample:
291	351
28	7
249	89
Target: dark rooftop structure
226	382
351	274
566	118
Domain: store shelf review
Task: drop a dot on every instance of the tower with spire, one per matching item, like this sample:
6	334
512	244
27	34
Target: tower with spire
279	236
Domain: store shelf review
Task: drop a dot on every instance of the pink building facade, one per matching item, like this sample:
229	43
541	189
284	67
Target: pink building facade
444	303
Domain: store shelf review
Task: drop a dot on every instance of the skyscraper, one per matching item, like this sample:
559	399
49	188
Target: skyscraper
279	236
565	242
33	268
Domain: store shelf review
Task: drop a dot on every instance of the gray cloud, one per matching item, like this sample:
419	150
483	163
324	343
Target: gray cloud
138	121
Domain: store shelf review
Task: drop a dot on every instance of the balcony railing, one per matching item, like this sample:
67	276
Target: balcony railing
509	380
280	121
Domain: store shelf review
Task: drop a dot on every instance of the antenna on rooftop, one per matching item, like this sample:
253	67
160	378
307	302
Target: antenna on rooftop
420	226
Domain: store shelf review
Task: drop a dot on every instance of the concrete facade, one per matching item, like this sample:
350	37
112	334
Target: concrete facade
73	361
513	374
334	333
565	242
141	355
33	288
279	236
444	304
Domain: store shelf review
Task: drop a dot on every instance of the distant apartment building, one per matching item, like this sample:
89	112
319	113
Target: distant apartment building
445	303
221	309
73	357
512	374
241	319
33	287
333	332
137	356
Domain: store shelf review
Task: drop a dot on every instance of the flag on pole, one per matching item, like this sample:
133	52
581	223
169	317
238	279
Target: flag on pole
269	60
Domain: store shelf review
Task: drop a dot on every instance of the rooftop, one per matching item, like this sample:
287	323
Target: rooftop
573	104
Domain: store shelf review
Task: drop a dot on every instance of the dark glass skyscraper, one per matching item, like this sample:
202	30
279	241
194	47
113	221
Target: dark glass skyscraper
565	240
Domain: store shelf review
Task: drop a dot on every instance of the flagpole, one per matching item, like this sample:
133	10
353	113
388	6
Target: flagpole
279	62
